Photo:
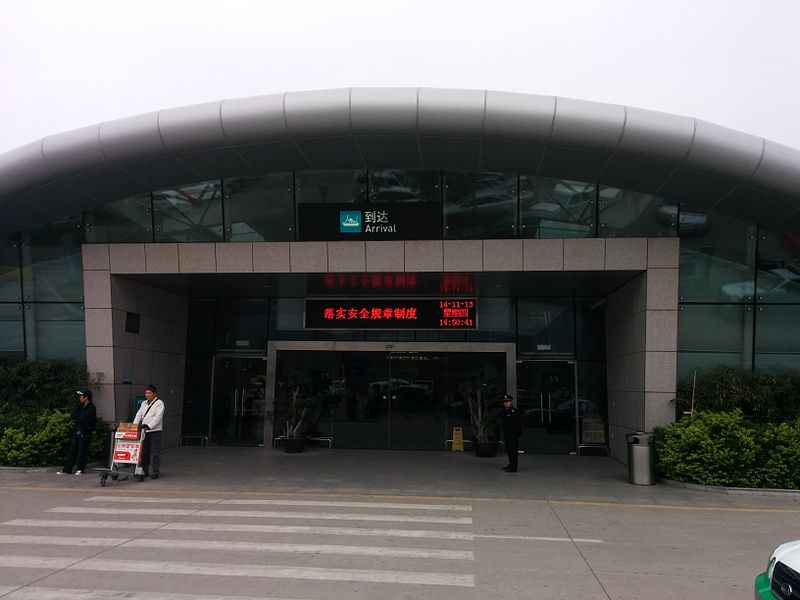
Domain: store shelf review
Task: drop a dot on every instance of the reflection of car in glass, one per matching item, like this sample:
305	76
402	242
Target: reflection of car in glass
784	281
690	222
562	416
781	580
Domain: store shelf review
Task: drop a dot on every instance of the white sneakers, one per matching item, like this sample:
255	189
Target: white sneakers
78	472
66	473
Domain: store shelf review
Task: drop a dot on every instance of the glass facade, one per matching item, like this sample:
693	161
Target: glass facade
738	284
473	205
739	295
41	293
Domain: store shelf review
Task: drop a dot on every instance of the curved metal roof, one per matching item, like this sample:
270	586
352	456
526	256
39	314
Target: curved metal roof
673	156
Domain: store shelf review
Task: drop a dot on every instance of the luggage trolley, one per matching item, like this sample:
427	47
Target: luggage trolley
126	450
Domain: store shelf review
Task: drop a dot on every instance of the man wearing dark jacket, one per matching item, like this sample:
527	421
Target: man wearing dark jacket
85	417
512	430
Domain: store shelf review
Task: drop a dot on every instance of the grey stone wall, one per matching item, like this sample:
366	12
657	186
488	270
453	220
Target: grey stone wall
127	362
641	347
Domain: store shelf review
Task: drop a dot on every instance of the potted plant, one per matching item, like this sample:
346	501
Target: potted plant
296	406
481	395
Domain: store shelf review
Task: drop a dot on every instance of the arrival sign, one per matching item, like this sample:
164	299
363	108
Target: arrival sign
373	221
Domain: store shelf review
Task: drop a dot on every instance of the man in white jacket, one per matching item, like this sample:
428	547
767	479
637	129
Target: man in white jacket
151	416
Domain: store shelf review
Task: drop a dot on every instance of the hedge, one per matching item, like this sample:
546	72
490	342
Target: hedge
725	449
41	384
44	439
763	397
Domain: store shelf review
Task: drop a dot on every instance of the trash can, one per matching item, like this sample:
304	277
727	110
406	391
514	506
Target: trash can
641	458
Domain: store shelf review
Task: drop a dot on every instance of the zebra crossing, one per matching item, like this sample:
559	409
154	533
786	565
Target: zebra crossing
239	548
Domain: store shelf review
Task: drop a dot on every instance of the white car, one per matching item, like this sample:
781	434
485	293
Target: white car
781	580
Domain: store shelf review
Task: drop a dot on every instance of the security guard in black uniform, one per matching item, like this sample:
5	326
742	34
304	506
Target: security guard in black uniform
512	430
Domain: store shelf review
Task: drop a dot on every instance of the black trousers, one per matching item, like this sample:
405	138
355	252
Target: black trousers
151	453
78	451
512	449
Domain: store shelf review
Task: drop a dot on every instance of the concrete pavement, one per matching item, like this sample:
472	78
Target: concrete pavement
255	522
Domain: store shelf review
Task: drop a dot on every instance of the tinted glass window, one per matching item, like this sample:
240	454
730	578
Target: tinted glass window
717	264
260	209
55	331
51	260
778	268
127	220
395	185
713	334
776	338
192	213
10	285
556	208
12	342
331	186
480	205
625	213
546	328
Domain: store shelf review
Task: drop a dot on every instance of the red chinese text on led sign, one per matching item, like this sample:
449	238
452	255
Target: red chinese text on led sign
349	313
426	313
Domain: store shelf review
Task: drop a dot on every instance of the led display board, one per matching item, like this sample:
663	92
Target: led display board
392	313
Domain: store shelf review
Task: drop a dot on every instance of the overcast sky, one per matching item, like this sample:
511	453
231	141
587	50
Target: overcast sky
66	64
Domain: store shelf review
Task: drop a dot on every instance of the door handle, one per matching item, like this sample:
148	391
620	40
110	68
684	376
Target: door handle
541	408
549	410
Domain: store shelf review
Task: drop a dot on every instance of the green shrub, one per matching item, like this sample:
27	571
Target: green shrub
41	384
709	449
778	457
46	442
764	397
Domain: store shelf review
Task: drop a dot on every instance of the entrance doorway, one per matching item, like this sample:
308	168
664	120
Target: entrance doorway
406	396
238	400
546	399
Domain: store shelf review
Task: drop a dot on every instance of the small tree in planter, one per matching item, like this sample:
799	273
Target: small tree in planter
481	395
296	405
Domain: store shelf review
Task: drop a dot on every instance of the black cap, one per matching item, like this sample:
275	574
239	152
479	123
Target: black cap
152	388
85	392
508	398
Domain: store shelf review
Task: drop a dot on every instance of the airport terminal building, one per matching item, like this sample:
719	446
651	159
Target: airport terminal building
389	244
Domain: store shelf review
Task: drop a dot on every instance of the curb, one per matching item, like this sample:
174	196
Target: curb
733	491
4	469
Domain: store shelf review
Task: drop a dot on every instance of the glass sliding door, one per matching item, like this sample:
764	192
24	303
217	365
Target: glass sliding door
546	399
390	399
238	401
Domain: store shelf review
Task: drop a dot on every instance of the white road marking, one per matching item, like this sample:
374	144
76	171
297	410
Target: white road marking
288	502
5	589
303	548
370	532
539	538
396	505
36	562
84	524
105	565
264	514
82	510
153	500
47	593
237	527
51	540
334	549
